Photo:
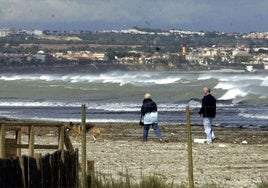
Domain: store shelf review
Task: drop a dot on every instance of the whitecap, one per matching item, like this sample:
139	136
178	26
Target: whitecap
162	81
37	104
253	116
224	85
204	77
233	93
265	82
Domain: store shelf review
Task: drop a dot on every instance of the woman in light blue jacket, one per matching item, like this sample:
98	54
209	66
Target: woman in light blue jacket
149	116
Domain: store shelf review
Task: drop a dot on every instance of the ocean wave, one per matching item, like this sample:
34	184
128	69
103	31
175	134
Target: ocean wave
113	77
109	107
233	93
37	104
135	107
116	107
162	81
204	77
225	85
238	78
265	82
253	116
196	103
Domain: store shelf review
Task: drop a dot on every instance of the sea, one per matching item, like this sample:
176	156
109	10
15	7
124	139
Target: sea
116	96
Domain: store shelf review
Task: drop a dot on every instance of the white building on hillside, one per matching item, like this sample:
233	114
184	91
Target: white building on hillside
4	32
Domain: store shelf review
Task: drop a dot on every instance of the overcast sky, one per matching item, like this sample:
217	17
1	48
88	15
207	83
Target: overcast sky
206	15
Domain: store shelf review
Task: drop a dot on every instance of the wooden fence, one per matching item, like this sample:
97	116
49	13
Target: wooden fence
59	169
12	147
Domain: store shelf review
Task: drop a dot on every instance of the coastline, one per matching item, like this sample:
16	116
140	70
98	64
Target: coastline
172	133
107	67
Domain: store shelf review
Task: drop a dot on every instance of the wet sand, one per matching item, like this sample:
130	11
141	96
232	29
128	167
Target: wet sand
238	158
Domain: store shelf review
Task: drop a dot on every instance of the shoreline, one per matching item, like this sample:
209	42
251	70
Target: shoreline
106	67
171	132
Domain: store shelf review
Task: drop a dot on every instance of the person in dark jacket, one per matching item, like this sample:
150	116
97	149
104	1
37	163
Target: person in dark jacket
208	113
149	116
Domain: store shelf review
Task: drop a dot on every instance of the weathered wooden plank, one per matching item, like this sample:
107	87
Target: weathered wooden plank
67	142
2	141
10	173
10	151
189	148
31	140
91	173
18	138
36	146
31	172
46	171
61	138
84	149
39	124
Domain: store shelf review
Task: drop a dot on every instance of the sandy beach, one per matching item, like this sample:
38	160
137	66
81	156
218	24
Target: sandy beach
239	157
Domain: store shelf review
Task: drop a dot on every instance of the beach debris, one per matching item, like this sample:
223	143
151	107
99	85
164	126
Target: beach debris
222	145
200	141
244	142
51	133
173	134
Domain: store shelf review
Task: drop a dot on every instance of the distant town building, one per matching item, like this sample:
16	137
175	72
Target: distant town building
266	66
4	32
37	32
183	49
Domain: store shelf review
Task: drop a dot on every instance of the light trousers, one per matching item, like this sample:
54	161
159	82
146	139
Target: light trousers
207	122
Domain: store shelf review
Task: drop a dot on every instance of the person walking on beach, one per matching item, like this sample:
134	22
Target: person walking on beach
149	116
208	113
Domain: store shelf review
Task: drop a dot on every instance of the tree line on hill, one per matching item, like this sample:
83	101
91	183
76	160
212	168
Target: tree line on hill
144	42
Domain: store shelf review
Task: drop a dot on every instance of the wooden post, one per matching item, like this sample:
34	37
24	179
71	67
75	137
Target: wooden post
2	141
61	138
91	173
67	142
31	140
18	138
84	148
189	148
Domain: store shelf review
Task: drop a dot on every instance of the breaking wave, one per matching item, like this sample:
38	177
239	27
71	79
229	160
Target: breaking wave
117	96
253	116
265	82
114	77
232	94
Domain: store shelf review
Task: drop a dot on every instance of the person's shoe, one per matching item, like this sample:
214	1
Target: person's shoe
214	138
160	140
207	142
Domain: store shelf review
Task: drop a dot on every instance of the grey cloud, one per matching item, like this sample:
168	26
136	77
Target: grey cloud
128	10
169	13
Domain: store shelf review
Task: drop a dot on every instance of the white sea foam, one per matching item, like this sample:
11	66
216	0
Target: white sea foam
37	104
265	82
194	104
116	77
224	85
233	93
204	77
135	107
237	78
160	81
115	107
253	116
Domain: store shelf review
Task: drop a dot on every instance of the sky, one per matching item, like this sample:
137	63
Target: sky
194	15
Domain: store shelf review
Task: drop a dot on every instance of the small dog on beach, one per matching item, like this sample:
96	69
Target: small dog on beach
93	129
